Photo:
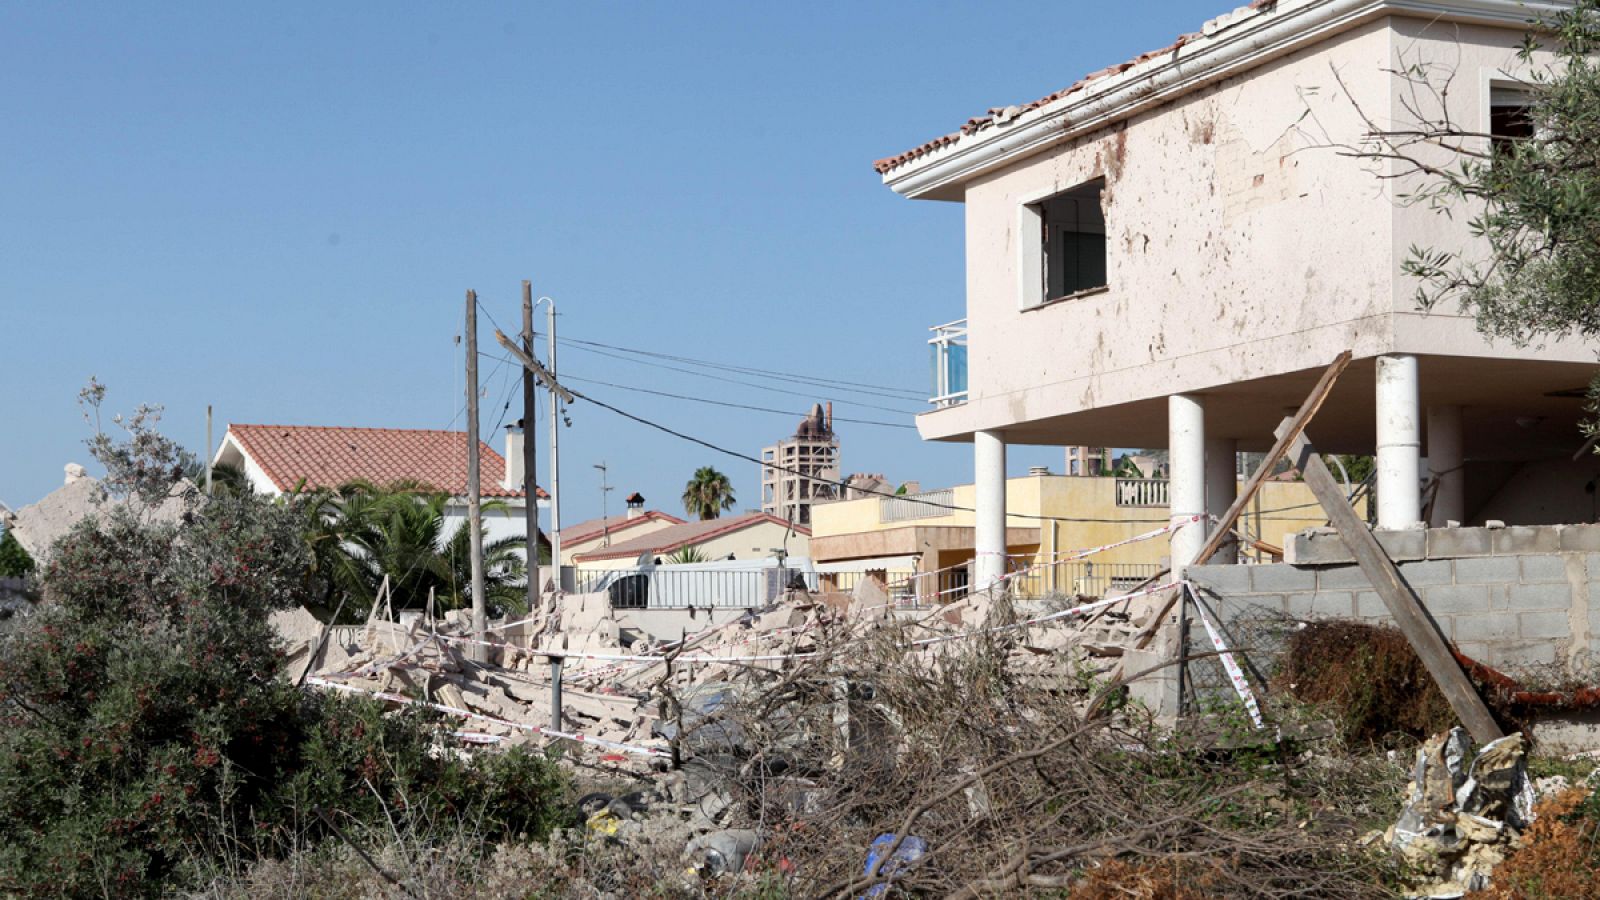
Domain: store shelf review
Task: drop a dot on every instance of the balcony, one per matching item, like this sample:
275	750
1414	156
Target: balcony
1142	491
949	348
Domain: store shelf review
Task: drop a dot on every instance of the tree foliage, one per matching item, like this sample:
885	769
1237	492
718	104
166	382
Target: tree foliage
145	733
14	560
1533	203
708	494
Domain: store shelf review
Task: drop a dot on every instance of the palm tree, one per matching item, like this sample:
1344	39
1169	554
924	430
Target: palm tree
707	494
362	533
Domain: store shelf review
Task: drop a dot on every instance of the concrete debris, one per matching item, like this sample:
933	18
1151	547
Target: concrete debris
1463	813
39	526
656	709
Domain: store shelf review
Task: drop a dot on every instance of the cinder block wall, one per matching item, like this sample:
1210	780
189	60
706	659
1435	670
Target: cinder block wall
1510	597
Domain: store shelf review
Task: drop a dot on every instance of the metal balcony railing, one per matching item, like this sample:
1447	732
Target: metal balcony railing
926	505
1142	491
949	352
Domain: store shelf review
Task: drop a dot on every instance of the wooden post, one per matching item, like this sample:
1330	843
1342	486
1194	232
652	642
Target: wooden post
530	456
1409	614
555	692
480	613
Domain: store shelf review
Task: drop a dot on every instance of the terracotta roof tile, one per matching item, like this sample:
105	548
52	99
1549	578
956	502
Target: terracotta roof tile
676	537
327	457
593	528
999	114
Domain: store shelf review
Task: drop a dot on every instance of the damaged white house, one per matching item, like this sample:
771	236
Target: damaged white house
1168	252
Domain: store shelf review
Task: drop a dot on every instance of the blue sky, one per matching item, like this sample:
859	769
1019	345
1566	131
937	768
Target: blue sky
276	209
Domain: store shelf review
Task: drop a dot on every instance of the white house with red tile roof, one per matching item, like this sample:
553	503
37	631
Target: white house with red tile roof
277	459
1168	252
752	536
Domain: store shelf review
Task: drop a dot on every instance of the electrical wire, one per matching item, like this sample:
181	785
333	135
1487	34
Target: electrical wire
750	384
765	373
766	409
829	481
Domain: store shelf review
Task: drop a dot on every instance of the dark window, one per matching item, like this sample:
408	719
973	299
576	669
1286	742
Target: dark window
1510	117
1074	234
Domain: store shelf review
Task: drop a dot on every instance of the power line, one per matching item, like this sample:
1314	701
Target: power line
909	499
766	409
759	387
765	373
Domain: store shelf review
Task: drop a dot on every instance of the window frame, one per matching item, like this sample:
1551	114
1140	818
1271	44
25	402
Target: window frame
1032	289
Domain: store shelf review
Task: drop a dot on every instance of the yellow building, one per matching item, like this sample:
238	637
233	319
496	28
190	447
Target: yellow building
1050	519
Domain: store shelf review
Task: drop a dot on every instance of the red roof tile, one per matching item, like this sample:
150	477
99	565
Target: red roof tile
593	528
326	457
989	119
676	537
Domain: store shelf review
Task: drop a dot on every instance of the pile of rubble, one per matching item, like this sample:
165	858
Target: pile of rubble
1463	813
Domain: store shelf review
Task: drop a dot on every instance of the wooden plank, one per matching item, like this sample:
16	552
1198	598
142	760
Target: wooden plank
1296	424
1408	612
532	365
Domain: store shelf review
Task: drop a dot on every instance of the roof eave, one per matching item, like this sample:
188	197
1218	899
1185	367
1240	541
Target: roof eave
1229	46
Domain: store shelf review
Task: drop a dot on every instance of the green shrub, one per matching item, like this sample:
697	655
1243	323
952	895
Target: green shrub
144	731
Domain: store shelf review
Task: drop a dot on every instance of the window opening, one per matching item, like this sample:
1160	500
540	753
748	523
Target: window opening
1510	117
1073	229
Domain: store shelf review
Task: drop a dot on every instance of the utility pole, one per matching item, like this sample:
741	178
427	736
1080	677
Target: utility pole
530	456
605	525
209	449
480	613
555	451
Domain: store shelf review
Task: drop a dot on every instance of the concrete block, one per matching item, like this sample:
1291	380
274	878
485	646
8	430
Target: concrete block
1517	654
1224	581
1543	626
1428	572
1341	577
1401	544
1282	578
1476	649
1488	570
1485	628
1580	538
1525	597
1450	600
1544	567
1370	606
1333	605
1454	543
1316	547
1519	539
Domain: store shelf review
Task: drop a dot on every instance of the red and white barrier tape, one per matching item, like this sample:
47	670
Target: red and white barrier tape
466	713
1038	620
1231	665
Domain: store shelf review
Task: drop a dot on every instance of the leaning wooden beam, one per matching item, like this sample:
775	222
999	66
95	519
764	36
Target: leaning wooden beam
1224	526
1220	532
1419	628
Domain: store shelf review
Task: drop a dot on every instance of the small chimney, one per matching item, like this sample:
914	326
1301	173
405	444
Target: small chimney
635	505
1038	470
830	417
514	470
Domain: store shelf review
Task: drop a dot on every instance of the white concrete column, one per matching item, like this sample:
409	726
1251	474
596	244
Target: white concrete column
989	479
1399	442
1222	486
1445	458
1186	455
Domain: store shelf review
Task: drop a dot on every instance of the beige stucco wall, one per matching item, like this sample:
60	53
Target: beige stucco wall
753	542
1085	509
637	528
